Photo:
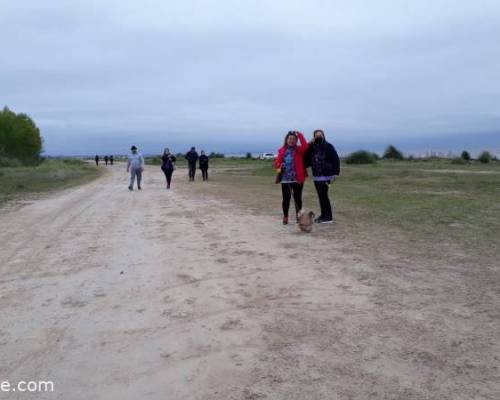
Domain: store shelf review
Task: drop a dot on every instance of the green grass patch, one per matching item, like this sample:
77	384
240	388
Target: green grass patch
25	181
435	201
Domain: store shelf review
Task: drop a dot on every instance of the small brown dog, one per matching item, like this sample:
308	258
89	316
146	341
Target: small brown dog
306	221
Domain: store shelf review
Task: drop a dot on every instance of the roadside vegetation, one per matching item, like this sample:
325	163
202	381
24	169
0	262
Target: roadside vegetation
22	182
23	172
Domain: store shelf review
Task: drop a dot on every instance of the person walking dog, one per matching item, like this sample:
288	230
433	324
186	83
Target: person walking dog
325	165
135	166
291	171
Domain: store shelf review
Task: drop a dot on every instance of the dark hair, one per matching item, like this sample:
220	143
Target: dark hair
290	133
319	130
133	148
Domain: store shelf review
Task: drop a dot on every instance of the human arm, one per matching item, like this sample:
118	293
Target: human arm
303	143
335	160
278	162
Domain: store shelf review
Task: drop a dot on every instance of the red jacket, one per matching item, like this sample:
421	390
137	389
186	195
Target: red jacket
299	157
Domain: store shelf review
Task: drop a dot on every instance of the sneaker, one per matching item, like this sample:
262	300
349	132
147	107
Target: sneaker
130	188
138	187
323	221
285	220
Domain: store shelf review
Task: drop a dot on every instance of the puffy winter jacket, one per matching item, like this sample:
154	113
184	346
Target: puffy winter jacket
299	157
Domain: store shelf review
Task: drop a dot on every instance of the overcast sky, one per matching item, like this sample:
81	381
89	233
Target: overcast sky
235	75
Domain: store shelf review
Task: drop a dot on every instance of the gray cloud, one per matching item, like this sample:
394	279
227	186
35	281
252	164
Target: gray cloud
222	72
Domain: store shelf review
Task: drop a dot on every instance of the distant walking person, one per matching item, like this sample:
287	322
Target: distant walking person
292	172
135	165
192	157
325	164
167	165
106	159
96	158
111	160
204	165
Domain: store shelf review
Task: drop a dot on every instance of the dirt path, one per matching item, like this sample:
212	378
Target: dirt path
155	295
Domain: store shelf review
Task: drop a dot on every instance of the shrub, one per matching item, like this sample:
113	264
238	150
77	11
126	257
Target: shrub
216	155
153	160
465	155
458	160
391	153
248	156
484	157
360	157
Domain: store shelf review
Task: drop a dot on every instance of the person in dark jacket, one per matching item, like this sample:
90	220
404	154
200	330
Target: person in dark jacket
106	159
111	160
96	158
204	165
324	161
167	165
192	157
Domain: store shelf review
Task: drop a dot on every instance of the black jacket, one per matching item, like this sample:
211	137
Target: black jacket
204	162
323	159
167	162
192	157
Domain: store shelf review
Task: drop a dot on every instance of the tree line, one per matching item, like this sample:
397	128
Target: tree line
392	153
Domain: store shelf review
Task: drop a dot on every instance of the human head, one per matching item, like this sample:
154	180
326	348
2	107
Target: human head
318	133
193	148
166	151
133	149
290	139
203	152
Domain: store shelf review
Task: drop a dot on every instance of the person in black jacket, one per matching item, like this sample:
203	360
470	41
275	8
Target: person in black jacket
167	165
325	164
192	157
204	165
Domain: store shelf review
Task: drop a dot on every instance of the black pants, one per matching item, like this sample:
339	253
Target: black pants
204	173
168	174
192	171
287	189
324	201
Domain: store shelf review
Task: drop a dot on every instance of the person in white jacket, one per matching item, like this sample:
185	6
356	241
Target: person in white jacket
135	165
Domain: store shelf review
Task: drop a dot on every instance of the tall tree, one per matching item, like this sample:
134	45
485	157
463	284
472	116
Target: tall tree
19	136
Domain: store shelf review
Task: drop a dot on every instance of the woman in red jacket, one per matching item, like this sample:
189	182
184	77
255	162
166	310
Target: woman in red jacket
290	166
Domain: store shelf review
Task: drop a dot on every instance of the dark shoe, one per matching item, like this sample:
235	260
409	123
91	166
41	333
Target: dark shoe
323	221
138	187
130	188
285	220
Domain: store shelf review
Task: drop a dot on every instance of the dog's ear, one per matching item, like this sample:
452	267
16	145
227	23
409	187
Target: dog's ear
311	214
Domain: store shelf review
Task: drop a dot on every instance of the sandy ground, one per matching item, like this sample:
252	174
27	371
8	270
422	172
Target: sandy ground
155	294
